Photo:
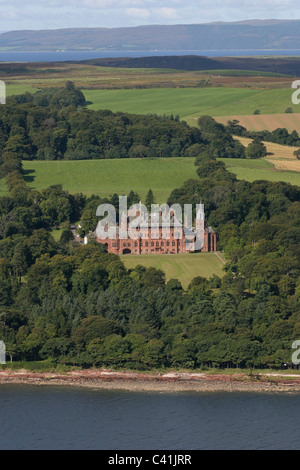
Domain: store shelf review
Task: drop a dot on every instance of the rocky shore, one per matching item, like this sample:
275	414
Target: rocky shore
160	382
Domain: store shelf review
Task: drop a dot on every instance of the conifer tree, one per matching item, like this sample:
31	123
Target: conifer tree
150	199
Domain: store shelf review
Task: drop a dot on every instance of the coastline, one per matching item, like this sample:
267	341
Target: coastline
157	382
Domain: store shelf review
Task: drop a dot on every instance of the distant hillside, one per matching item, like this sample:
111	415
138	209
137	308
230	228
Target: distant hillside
251	35
284	65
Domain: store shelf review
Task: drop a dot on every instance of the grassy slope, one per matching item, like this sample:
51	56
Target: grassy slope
251	170
106	177
183	267
18	89
191	103
182	101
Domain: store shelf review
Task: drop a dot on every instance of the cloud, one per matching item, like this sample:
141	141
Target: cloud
138	12
167	13
155	13
107	3
42	14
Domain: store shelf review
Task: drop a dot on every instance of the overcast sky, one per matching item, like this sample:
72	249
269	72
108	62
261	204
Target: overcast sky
52	14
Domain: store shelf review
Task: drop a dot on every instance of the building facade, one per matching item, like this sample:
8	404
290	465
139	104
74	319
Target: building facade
172	238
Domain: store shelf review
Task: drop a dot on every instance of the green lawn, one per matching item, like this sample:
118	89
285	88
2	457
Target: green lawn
162	175
56	234
251	170
183	267
106	177
18	89
190	103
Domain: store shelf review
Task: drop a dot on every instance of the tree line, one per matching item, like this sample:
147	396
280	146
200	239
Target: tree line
55	124
278	136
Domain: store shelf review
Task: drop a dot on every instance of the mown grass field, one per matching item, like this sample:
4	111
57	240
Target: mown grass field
252	170
162	175
190	103
106	177
183	267
19	89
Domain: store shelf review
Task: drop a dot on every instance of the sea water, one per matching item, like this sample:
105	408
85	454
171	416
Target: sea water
71	418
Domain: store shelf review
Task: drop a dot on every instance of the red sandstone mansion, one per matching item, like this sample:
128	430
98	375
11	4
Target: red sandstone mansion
154	241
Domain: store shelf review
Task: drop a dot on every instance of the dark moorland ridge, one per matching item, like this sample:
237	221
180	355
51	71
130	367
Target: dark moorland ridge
245	35
289	66
283	65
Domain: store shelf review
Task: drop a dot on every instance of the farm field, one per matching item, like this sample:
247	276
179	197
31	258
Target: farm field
19	89
281	156
183	267
279	152
287	165
268	122
96	76
162	175
191	103
219	100
106	177
252	170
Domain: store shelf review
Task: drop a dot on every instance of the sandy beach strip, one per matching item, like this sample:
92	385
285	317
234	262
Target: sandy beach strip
156	382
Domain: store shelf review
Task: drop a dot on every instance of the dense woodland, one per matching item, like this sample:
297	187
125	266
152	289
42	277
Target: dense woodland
78	306
54	124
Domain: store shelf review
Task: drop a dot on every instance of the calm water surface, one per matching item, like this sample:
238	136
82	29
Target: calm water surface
85	419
